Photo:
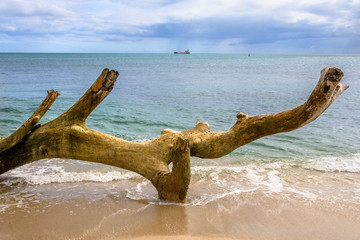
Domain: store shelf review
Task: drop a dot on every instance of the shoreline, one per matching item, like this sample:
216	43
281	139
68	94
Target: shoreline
252	216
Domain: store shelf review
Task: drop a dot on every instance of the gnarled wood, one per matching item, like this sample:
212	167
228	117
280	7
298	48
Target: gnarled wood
68	137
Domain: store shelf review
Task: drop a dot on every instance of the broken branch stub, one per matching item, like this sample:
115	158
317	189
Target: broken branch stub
67	136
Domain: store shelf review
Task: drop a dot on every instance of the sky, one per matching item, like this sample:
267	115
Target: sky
164	26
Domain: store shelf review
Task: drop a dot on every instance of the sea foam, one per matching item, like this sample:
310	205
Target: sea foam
349	164
49	171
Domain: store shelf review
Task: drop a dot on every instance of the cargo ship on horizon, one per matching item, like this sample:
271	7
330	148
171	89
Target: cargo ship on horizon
185	52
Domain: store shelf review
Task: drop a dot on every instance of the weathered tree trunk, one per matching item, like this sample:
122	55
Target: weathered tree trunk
68	137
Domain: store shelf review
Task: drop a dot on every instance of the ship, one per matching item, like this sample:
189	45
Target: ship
185	52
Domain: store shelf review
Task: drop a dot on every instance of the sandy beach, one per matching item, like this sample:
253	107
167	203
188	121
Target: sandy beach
247	217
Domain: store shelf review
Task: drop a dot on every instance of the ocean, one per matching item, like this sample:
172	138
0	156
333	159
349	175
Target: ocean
303	184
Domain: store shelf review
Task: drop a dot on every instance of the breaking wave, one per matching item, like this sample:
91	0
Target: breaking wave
349	164
229	178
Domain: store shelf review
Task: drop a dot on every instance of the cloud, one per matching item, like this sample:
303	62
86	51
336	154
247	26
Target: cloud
230	24
29	18
20	8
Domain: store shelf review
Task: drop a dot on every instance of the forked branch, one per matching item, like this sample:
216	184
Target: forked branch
78	113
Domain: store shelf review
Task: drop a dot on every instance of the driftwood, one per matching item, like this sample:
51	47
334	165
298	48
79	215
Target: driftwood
68	137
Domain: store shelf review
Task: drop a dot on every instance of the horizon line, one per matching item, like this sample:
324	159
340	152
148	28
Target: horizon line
172	53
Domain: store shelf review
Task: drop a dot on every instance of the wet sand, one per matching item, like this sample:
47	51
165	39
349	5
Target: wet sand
247	216
185	237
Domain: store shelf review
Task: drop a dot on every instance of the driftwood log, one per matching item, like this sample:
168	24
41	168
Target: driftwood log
68	137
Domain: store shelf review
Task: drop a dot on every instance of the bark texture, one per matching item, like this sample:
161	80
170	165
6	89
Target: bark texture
68	137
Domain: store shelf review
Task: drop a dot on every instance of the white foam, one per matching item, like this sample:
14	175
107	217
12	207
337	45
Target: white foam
274	183
223	181
208	198
335	164
208	184
67	177
304	194
253	176
44	172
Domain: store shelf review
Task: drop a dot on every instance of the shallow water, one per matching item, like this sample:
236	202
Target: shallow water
299	185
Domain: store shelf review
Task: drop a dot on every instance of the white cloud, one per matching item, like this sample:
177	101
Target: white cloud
22	8
33	16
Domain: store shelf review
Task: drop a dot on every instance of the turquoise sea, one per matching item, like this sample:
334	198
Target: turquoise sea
313	172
